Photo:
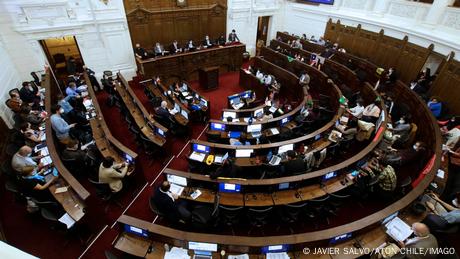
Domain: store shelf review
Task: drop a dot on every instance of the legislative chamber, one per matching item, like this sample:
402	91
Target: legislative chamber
230	129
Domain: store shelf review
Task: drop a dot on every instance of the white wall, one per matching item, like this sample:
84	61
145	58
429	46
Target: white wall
422	23
242	15
101	32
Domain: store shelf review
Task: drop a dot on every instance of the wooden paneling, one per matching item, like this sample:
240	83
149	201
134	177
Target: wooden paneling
163	21
385	51
447	85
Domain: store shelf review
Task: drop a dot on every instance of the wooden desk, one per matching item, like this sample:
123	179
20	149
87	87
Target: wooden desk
133	244
182	65
258	200
209	77
208	196
71	203
142	119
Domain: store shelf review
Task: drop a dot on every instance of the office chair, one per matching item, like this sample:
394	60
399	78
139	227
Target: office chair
136	132
72	164
148	145
337	199
405	186
106	195
333	149
290	214
230	216
109	255
11	149
128	120
155	210
258	218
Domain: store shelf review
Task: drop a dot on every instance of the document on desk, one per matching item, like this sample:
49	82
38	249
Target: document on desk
440	173
176	189
243	256
283	255
67	220
218	159
87	103
43	137
274	131
177	253
46	160
398	229
44	151
197	156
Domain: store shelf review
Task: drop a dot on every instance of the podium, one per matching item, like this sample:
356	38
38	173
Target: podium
209	77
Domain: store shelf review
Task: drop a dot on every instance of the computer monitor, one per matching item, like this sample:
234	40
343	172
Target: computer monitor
285	148
217	126
229	187
246	94
254	128
243	152
128	158
340	238
179	180
283	186
201	148
317	137
200	246
329	175
285	120
225	115
259	112
234	134
275	249
184	113
136	231
160	132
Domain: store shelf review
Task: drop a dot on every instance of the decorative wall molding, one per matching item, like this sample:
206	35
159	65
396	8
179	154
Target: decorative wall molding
452	18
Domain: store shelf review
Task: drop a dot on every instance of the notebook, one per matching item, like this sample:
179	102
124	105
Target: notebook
197	156
398	229
176	189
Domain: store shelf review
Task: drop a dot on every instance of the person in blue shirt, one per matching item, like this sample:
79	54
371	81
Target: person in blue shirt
72	90
60	126
435	107
64	102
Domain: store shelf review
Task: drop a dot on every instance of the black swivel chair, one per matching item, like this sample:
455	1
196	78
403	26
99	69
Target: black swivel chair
230	216
104	192
259	218
290	214
155	210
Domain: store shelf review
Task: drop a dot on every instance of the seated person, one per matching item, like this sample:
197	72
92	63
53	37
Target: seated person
372	112
296	44
64	102
435	107
23	162
294	164
176	89
34	185
140	52
15	102
239	142
158	49
175	47
449	213
221	40
190	46
232	37
405	156
423	245
267	115
29	93
33	117
269	100
417	88
401	129
260	75
267	80
167	203
227	169
386	175
207	42
162	111
304	79
358	110
32	137
72	90
112	174
391	76
73	152
60	126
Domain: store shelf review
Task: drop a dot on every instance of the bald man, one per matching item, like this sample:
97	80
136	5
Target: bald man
22	161
418	247
167	203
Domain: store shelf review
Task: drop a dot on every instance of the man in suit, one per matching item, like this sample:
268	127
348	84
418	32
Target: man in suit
391	76
162	110
140	52
29	93
92	78
232	37
167	203
207	42
423	244
221	40
175	47
190	46
295	165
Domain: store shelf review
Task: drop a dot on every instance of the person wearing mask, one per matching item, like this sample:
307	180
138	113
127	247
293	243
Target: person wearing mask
23	162
401	129
169	204
33	117
29	93
358	110
294	164
32	137
296	44
112	174
405	156
190	46
60	126
435	107
34	185
372	112
64	102
386	176
232	37
423	244
221	40
140	52
72	90
15	102
158	49
207	42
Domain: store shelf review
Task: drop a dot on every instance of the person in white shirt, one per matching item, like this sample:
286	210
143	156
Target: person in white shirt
22	161
112	174
259	75
267	80
357	111
304	79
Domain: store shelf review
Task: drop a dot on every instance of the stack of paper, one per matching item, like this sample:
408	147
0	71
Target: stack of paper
398	229
274	131
176	189
243	256
46	160
197	156
283	255
177	253
67	220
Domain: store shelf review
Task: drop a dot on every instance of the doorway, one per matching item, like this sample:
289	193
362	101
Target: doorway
63	55
262	32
